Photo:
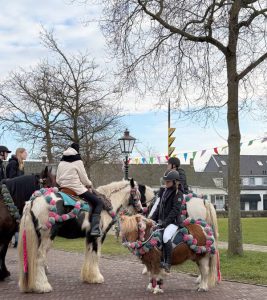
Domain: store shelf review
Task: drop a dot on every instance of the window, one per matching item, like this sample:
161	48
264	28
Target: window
264	180
253	205
223	162
251	181
219	202
260	163
218	182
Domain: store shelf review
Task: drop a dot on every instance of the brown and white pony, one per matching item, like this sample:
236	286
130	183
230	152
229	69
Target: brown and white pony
130	230
39	238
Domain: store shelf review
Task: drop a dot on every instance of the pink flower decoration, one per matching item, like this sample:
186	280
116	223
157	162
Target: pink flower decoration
64	217
53	202
78	205
194	241
153	242
208	243
57	217
186	222
48	224
186	237
52	214
198	250
183	212
132	245
142	251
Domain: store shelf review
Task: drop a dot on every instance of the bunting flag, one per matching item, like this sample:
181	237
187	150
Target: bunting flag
203	152
136	160
160	159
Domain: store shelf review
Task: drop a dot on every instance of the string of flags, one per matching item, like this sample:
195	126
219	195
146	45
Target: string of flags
162	159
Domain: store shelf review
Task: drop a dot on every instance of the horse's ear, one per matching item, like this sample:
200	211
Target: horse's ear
132	182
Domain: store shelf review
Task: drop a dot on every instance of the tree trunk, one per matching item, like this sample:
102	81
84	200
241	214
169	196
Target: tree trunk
49	146
235	245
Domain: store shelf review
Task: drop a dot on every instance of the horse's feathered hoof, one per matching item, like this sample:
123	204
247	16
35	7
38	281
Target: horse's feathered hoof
158	290
200	289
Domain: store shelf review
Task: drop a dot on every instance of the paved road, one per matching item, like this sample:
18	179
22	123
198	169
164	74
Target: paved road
123	280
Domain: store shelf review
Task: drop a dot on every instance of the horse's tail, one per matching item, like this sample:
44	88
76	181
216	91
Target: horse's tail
211	219
28	249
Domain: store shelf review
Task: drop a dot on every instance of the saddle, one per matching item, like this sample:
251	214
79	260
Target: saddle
75	197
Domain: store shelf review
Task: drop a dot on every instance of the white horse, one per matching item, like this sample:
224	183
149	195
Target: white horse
36	236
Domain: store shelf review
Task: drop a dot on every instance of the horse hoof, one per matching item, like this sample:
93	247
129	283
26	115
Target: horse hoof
149	288
46	288
158	291
200	289
198	280
144	272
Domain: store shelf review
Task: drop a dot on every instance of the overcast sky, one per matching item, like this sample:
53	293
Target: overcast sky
20	25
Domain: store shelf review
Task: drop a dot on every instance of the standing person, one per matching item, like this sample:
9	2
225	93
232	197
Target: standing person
71	174
174	164
15	168
15	165
168	214
3	156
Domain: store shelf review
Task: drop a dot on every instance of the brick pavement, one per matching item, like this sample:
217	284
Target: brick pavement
123	280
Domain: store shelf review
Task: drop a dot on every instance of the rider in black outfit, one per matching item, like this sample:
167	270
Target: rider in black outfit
174	163
3	156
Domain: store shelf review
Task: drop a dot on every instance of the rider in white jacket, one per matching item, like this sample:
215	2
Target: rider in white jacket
71	174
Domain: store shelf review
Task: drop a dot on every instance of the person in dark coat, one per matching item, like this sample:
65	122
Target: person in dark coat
15	165
3	156
15	168
168	214
174	163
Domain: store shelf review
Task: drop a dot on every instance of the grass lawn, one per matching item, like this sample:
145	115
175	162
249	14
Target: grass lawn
254	230
252	267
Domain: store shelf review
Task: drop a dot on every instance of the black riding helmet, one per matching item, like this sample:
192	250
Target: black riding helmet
4	149
170	175
174	161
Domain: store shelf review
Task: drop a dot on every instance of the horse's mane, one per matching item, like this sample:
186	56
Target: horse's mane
113	186
128	224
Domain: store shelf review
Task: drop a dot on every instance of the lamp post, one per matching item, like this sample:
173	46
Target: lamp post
126	144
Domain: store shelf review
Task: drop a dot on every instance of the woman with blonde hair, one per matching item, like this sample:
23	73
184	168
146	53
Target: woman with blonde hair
15	165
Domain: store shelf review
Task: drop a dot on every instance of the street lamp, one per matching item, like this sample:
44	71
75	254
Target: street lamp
126	145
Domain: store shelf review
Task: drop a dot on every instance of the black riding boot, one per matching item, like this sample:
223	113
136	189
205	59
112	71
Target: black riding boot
167	251
95	230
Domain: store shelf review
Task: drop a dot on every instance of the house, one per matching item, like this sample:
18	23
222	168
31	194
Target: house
253	178
210	184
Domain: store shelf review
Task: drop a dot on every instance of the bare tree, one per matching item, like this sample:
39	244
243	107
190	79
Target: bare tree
30	108
91	116
202	51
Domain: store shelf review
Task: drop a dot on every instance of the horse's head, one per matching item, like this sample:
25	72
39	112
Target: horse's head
135	227
135	197
48	176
